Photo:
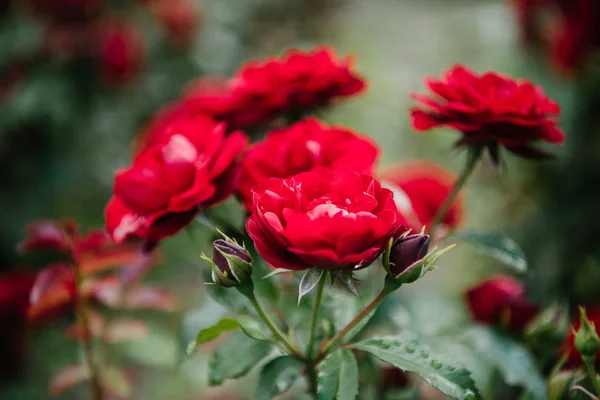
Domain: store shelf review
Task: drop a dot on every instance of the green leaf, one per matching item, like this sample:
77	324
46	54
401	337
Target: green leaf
213	332
277	272
406	352
253	328
227	297
338	376
346	278
498	246
309	281
235	357
514	361
277	377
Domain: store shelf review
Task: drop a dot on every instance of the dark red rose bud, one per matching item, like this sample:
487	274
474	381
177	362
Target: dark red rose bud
231	264
120	51
393	378
406	251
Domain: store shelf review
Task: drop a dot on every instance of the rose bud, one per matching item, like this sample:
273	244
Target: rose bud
587	341
408	259
231	264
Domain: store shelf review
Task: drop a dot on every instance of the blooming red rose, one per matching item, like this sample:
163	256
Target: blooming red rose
501	300
322	218
119	50
420	188
490	110
301	147
297	82
568	346
14	298
190	164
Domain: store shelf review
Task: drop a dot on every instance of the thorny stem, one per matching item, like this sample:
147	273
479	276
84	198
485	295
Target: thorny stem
314	316
248	291
472	159
388	288
82	310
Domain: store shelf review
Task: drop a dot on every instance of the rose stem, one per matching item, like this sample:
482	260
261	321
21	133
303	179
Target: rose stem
314	316
82	311
248	291
388	288
473	156
589	366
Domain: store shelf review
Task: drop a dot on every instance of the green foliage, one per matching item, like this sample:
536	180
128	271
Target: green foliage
309	281
235	357
514	361
338	376
277	376
497	246
407	352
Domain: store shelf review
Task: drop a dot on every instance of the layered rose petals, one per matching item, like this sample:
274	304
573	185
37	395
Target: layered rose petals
189	163
300	148
322	218
490	110
499	301
420	190
261	90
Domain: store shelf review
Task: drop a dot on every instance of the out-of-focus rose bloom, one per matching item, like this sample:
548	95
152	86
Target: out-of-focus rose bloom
301	147
180	18
190	164
420	188
490	110
499	301
568	346
119	50
291	85
14	298
322	218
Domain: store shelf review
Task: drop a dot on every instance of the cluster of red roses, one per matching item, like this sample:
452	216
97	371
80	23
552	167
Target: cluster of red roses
572	36
86	27
309	187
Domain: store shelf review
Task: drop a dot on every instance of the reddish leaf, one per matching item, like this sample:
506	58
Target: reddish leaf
100	261
96	326
68	377
125	329
105	290
116	382
45	235
54	289
150	298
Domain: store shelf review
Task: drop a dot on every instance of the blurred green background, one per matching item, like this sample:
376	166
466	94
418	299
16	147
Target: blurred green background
63	132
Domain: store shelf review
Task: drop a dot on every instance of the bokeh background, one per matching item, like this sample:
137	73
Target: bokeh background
76	89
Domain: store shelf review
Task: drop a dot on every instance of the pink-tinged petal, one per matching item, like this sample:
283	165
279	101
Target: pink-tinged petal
121	222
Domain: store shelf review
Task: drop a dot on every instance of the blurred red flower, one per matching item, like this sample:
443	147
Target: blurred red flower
119	51
191	163
293	84
568	346
14	298
501	300
301	147
322	218
179	18
490	110
420	188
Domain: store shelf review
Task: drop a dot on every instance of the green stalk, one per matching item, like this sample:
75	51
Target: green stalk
472	158
248	291
314	316
589	366
389	287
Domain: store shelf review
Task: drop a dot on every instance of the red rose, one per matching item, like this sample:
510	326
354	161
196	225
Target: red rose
301	147
322	218
190	164
119	50
293	84
420	188
14	298
501	300
178	17
568	346
490	110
